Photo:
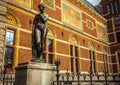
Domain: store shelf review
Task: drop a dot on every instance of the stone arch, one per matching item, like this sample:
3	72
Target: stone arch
12	19
74	39
91	46
105	50
51	31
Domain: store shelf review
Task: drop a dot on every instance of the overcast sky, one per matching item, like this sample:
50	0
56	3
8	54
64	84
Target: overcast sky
94	2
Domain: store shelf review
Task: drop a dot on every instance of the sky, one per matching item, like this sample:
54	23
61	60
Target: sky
94	2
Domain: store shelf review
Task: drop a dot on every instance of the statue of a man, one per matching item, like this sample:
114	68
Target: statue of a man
39	33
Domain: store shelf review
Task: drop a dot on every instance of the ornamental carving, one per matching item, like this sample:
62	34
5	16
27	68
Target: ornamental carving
101	32
71	16
49	3
50	32
73	40
11	19
25	3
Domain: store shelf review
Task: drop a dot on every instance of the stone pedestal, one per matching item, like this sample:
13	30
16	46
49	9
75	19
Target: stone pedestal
34	74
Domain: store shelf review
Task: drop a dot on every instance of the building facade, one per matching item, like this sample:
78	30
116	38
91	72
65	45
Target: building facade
76	35
111	11
3	11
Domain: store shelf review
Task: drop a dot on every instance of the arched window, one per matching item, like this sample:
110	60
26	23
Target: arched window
12	35
92	58
49	54
105	60
74	54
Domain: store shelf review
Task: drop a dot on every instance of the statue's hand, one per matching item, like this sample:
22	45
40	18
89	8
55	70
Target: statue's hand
46	16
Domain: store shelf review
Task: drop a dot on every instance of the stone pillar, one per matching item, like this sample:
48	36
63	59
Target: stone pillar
3	11
34	74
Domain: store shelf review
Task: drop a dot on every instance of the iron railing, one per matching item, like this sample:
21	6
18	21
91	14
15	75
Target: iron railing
7	78
71	79
85	79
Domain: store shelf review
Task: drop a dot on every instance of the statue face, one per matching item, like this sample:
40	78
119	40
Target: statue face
41	7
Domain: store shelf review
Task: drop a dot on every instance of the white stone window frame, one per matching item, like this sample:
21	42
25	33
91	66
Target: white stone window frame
74	58
109	8
51	36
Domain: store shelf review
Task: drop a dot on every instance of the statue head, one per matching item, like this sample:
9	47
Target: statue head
41	7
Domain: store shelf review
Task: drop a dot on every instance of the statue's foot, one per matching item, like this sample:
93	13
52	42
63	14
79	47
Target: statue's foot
38	60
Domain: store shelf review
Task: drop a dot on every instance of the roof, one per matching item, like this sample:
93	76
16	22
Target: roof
97	8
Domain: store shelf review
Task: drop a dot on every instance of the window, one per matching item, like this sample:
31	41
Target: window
114	6
92	61
105	62
49	46
118	5
117	21
74	58
9	48
48	54
110	9
118	37
119	58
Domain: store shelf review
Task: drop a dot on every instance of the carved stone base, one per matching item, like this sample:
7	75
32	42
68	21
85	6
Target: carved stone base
34	74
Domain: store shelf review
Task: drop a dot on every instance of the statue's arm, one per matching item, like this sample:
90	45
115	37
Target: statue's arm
34	21
45	17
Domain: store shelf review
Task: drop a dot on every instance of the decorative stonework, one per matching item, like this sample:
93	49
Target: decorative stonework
11	19
49	3
90	24
2	32
50	32
3	10
2	38
25	3
1	44
73	40
101	33
91	46
71	16
105	50
1	50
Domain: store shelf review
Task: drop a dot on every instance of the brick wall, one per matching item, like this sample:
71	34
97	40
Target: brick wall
62	35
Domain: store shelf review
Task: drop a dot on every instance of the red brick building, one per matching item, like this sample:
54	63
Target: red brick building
111	11
76	35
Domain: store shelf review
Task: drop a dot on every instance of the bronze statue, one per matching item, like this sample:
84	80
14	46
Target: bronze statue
39	33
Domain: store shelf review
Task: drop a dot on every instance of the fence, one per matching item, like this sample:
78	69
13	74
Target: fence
85	79
7	78
71	79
